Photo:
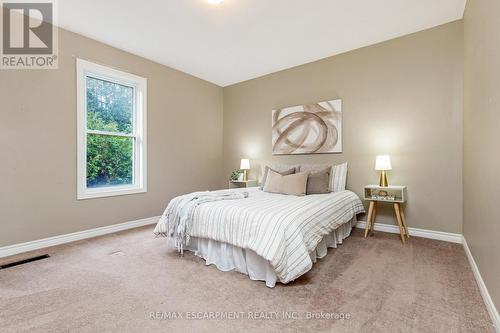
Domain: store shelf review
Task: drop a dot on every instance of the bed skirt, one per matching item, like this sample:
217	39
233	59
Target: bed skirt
227	257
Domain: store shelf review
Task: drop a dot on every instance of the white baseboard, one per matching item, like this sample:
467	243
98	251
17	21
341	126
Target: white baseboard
62	239
454	238
438	235
490	306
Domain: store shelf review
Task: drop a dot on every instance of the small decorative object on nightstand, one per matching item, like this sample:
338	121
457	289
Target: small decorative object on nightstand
242	183
395	195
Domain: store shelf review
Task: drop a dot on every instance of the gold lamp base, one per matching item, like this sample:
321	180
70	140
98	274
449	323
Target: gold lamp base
245	175
383	179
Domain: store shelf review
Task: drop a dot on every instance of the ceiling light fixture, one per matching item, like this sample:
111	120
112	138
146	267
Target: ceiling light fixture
214	2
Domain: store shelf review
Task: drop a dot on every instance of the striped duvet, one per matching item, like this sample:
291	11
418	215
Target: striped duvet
282	229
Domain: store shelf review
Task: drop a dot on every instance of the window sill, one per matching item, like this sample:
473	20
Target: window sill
109	192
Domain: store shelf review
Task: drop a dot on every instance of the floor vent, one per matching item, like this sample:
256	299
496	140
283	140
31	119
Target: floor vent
24	261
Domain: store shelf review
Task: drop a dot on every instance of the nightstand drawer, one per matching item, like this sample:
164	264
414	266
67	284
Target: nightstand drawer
392	193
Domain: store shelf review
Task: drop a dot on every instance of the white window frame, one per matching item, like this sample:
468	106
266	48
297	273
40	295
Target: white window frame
86	68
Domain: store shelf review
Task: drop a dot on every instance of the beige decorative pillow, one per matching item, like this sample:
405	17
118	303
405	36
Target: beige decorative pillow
319	182
294	184
283	172
338	174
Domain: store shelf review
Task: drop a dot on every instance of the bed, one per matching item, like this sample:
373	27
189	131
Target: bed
270	237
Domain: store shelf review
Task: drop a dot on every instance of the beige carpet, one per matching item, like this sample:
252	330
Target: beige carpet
114	283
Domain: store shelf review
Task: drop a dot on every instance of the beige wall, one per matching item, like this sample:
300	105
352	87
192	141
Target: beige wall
38	144
402	97
482	138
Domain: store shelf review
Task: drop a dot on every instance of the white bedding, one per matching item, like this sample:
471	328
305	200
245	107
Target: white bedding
282	229
228	257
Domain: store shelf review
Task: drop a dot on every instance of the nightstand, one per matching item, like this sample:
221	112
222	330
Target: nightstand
395	195
243	184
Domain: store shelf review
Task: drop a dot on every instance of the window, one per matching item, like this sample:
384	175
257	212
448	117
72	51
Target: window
111	131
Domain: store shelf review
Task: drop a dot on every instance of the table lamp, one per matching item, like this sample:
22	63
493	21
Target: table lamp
245	166
383	163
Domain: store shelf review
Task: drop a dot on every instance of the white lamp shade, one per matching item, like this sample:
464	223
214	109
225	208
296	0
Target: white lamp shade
245	164
383	162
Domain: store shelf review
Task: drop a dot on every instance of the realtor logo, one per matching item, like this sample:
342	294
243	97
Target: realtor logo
29	35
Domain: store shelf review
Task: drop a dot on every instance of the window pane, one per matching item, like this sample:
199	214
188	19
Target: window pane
109	106
109	160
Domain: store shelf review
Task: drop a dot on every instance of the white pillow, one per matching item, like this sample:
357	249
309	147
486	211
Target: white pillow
338	177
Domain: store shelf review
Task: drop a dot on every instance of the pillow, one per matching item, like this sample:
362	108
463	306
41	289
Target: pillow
281	171
294	184
319	182
313	168
338	177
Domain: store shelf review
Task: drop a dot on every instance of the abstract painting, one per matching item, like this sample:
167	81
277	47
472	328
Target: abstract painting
308	129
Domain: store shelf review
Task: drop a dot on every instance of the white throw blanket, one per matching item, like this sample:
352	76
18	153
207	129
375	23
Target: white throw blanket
178	216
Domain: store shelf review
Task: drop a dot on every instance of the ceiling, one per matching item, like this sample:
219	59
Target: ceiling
238	40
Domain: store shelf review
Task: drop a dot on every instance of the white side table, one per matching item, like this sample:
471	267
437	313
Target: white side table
393	194
243	184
